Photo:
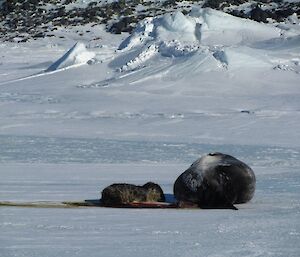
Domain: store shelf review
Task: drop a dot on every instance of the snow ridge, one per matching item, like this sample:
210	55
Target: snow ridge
75	56
205	32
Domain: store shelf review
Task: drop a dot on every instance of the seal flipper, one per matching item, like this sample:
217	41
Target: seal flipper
214	198
230	206
225	203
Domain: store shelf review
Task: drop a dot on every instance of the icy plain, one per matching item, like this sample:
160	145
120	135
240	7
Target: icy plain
76	118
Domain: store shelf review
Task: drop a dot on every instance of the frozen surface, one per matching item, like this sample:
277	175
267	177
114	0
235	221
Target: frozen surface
144	107
267	226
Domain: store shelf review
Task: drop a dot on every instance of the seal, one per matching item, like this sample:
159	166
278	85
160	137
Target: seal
121	194
215	180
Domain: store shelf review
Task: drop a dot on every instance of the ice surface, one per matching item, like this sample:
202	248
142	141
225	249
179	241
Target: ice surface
33	149
145	108
267	226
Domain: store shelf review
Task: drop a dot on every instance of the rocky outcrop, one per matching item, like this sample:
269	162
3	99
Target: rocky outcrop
32	19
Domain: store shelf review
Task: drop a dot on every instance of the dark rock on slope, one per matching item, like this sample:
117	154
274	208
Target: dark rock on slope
31	19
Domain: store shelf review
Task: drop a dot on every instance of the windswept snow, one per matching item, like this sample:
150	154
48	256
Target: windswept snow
175	26
218	28
75	56
159	85
205	26
205	32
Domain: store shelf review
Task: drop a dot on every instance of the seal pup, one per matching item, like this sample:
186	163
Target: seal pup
122	194
215	180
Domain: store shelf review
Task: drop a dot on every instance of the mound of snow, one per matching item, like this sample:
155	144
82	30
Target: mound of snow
141	35
75	56
176	26
206	39
219	28
204	26
140	58
243	56
281	44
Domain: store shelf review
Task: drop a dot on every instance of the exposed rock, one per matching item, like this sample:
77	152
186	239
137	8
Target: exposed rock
31	16
259	15
124	25
39	35
281	15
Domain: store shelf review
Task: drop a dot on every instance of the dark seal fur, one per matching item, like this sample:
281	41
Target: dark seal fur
122	194
215	180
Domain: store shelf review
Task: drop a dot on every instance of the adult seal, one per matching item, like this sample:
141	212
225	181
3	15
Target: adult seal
215	180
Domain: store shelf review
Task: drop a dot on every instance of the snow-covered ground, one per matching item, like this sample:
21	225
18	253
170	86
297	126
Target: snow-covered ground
113	108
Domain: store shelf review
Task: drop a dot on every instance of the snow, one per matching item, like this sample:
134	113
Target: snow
120	108
206	26
77	55
210	33
221	28
175	26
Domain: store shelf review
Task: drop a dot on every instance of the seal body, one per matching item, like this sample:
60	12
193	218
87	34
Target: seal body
122	193
216	180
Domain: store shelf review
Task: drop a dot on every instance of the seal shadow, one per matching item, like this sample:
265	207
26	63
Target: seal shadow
170	198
